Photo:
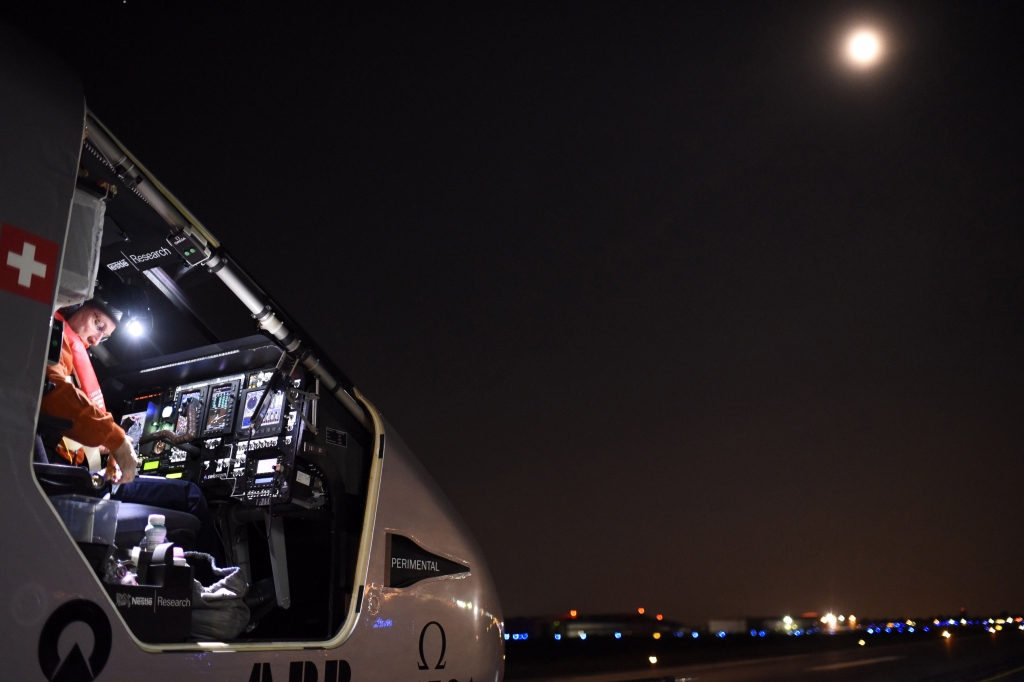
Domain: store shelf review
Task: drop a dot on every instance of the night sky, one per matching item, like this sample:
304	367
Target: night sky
679	310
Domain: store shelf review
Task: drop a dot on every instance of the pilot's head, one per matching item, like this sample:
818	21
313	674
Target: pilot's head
95	321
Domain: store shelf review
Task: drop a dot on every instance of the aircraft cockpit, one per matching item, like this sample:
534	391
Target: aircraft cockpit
209	381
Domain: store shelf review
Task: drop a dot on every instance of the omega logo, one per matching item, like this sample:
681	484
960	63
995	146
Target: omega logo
444	643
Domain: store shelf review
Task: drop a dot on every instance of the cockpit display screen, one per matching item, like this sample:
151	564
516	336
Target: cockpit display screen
266	466
133	425
273	408
183	404
222	403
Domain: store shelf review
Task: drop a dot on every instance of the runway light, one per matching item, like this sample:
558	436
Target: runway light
507	636
583	635
864	47
640	610
862	642
659	616
572	613
657	635
558	637
695	635
652	659
945	633
618	635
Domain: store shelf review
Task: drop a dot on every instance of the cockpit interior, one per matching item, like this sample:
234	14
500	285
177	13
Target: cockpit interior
211	394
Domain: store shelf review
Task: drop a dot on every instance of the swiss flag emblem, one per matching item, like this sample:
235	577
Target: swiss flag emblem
28	264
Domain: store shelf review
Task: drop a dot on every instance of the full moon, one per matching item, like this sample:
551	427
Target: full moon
864	48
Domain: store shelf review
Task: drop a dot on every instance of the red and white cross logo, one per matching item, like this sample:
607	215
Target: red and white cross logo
28	264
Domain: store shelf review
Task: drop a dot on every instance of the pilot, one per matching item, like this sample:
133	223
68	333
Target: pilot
76	396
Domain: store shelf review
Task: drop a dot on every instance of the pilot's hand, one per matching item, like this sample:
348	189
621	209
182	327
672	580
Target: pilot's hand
125	458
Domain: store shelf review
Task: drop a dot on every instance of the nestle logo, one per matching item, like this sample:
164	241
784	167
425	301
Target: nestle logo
127	600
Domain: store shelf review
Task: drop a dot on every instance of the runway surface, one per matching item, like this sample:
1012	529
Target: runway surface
982	658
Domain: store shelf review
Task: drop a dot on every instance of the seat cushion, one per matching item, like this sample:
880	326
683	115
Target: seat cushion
132	519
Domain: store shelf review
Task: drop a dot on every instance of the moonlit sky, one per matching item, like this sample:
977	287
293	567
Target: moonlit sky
679	309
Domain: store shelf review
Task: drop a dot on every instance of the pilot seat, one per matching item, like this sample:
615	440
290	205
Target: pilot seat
57	477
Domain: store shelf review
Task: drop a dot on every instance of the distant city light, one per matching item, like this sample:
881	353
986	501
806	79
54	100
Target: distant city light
659	616
583	635
572	613
862	642
945	633
640	610
788	620
657	635
864	48
652	659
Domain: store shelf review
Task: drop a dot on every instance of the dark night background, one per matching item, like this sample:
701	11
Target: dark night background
678	310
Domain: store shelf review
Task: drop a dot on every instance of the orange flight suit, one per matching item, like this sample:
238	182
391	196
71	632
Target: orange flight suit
93	425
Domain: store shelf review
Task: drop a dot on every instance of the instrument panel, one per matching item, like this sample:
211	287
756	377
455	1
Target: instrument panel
236	433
